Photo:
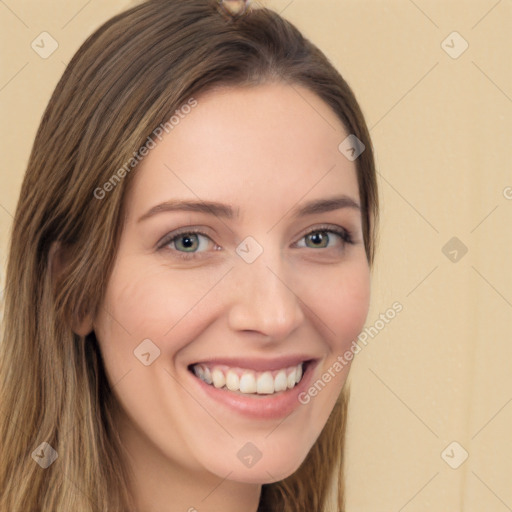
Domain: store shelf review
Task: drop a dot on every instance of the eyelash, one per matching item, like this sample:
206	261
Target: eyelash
344	234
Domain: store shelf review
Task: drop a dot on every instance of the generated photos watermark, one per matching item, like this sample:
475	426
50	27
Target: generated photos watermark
343	360
158	132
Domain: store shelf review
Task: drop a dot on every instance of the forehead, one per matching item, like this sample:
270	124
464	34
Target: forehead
258	147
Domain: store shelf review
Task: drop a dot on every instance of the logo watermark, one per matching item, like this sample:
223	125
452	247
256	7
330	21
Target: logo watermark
343	360
158	132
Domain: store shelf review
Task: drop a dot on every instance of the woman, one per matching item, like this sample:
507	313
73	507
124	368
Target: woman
189	267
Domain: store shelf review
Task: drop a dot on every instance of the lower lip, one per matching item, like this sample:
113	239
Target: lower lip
260	407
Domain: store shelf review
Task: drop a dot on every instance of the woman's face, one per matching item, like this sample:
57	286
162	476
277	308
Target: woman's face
261	290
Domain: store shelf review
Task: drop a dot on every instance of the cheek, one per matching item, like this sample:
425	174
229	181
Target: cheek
149	301
343	304
144	299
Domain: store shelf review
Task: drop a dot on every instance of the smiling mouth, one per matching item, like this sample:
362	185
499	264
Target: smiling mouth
249	382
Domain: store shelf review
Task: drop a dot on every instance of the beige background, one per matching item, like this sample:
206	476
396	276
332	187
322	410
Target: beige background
440	371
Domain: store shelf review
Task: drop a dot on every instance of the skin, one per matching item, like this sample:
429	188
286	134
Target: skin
264	150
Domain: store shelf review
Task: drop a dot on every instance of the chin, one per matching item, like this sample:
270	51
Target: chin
263	471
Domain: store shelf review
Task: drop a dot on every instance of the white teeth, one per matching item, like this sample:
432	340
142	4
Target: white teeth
248	381
219	380
298	376
292	377
232	381
265	384
280	382
208	375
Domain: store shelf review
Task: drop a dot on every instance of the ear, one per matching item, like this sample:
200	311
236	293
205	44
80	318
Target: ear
57	259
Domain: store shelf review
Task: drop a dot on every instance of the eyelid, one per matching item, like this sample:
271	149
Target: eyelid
343	233
170	237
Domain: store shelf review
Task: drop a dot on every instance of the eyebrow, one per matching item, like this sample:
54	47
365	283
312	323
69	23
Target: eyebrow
226	211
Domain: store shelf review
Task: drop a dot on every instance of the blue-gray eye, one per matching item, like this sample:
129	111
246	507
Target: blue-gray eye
321	237
189	241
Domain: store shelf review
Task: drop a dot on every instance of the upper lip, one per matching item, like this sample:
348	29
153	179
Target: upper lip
257	364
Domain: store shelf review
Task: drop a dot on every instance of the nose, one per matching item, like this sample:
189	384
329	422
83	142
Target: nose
264	300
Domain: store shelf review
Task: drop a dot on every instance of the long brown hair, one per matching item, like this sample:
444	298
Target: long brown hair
128	78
